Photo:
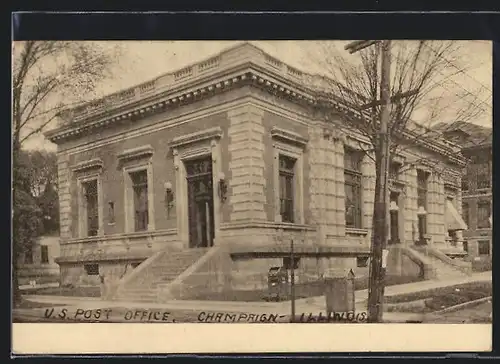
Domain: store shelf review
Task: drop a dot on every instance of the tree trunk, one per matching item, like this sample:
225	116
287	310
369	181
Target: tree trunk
16	245
379	235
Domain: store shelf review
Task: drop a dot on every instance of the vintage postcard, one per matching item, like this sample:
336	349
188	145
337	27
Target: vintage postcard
178	193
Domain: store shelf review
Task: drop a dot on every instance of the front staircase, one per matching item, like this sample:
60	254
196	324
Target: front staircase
164	269
443	266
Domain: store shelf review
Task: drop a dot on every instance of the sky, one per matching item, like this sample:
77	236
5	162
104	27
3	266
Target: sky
145	60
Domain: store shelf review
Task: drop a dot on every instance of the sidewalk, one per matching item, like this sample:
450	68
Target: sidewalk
306	305
25	287
362	295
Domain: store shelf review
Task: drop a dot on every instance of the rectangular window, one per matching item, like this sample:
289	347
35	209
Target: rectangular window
422	178
111	212
92	207
287	262
394	171
44	254
286	186
483	247
483	175
140	188
394	217
28	254
422	226
466	246
362	262
394	226
465	183
483	215
352	177
92	269
465	213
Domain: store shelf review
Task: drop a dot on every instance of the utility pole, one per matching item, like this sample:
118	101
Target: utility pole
380	229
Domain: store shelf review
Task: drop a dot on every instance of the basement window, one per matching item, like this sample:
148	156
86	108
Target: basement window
92	269
287	263
362	262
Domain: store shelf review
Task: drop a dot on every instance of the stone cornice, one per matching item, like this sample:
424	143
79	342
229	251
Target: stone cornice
288	136
144	151
218	74
92	164
209	134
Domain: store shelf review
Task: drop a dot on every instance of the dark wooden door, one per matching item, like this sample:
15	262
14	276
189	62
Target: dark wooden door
200	202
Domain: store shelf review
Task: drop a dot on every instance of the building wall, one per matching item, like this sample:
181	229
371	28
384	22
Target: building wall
43	272
247	119
472	196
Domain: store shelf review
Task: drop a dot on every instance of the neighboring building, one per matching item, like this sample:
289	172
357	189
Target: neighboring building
38	261
203	175
477	197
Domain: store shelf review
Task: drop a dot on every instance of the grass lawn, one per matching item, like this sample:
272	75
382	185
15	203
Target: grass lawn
440	298
481	265
479	314
302	290
66	291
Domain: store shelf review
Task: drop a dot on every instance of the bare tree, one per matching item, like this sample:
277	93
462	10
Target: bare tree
423	91
352	91
47	77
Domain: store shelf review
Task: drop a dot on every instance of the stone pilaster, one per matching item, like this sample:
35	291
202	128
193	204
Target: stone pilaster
368	191
63	182
246	163
411	197
326	185
339	187
436	208
316	176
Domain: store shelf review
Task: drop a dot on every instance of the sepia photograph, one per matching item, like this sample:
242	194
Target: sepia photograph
252	182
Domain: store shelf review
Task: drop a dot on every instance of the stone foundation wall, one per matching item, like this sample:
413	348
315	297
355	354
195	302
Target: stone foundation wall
252	274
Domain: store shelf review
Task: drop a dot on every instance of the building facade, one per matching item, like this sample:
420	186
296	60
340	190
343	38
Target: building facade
229	153
38	263
477	200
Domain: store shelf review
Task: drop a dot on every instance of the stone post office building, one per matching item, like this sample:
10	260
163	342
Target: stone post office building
199	179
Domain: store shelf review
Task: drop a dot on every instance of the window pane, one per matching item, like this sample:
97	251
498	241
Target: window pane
394	226
394	170
465	213
483	247
483	215
140	188
465	183
92	269
422	226
352	200
352	160
282	186
90	190
286	187
44	254
483	175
